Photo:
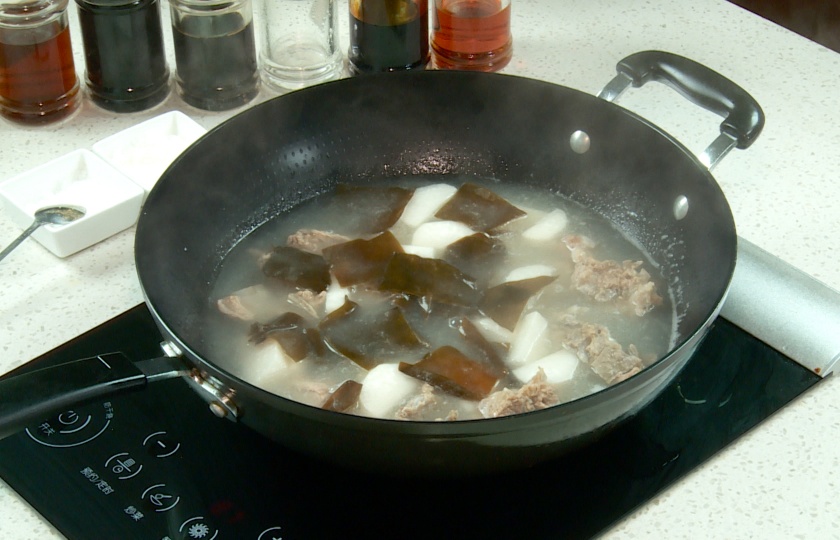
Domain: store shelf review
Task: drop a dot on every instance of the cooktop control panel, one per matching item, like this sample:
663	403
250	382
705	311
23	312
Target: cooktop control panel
136	474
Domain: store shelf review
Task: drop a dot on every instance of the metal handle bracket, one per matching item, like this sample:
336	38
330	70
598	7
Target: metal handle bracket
743	118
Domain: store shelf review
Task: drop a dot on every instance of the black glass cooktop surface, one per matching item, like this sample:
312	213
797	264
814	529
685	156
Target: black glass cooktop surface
158	465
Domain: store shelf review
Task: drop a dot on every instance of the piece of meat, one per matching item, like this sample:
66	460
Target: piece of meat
256	303
534	395
309	301
313	393
249	304
609	280
594	345
451	417
417	405
233	306
313	240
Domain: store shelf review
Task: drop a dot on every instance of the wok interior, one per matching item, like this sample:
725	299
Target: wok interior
364	129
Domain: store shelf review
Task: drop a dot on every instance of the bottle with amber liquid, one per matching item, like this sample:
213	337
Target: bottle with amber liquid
38	81
471	35
388	35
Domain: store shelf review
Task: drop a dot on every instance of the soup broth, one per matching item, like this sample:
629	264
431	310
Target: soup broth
438	299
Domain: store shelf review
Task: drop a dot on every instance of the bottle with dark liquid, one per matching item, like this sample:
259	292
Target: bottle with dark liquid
215	52
388	35
38	82
471	34
124	53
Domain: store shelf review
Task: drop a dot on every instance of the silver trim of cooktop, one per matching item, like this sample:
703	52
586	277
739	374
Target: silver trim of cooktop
786	308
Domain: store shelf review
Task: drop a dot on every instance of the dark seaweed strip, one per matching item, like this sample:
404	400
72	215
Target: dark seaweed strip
477	255
380	206
361	261
292	333
297	268
504	303
479	208
344	397
433	278
369	339
450	370
492	360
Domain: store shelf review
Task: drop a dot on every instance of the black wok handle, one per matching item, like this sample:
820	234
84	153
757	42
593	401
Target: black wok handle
743	116
30	397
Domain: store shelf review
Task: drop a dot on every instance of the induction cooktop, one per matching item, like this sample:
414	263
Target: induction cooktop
158	465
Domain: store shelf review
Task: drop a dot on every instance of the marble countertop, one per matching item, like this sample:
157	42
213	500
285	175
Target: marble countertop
776	481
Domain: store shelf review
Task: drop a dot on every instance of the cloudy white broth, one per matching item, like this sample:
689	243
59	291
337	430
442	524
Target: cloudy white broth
441	299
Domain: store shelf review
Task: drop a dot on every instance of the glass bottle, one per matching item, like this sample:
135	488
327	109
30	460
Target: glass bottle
299	45
38	81
215	52
388	35
471	34
124	53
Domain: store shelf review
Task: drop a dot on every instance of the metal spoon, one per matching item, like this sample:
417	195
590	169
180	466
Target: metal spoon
54	215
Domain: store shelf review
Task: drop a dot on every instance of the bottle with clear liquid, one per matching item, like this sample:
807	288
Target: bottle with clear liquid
215	53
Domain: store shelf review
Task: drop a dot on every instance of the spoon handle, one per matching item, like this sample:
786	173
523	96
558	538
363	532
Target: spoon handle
23	236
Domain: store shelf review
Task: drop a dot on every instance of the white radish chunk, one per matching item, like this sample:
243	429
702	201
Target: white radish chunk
420	251
384	388
268	361
548	227
439	234
559	367
425	202
527	339
528	272
335	296
493	331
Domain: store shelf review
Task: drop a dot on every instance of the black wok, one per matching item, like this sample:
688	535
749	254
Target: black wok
268	159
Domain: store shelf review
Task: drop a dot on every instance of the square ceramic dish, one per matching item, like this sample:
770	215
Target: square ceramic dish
144	151
79	179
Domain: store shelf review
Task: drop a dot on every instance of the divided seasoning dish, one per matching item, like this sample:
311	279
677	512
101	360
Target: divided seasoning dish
142	152
79	179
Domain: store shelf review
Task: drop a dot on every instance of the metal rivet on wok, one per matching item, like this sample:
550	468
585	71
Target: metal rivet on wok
580	142
218	409
681	207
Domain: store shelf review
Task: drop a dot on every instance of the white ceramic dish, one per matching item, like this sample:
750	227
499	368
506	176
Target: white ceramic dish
144	151
80	179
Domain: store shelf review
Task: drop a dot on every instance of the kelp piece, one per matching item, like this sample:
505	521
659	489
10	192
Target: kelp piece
491	359
477	255
362	261
344	397
369	337
478	207
431	278
418	310
504	303
296	268
294	335
450	370
381	206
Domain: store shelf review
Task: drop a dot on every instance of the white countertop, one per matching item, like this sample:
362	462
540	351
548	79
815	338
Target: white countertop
775	482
